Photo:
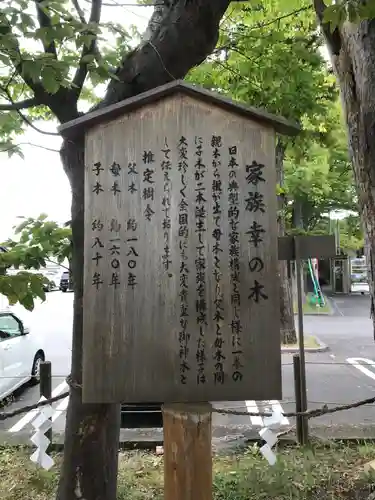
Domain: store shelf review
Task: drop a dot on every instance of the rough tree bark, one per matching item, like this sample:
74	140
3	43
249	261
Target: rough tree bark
181	34
287	325
352	51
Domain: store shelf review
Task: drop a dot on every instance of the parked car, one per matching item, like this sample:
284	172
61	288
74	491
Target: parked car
48	287
66	282
53	278
20	354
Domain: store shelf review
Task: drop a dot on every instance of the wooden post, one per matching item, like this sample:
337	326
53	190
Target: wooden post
187	451
46	386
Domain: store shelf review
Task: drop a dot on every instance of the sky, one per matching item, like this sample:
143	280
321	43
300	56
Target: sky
37	184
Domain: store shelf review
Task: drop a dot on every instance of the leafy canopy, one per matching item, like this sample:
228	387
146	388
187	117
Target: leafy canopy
53	53
37	241
271	55
268	56
318	178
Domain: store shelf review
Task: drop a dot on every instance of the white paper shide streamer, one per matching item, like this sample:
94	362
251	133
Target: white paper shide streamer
42	419
270	437
42	423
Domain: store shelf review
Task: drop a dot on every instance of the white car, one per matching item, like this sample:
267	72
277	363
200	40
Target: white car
360	287
20	355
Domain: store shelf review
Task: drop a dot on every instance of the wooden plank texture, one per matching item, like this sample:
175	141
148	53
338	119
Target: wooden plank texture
101	115
180	207
187	452
320	247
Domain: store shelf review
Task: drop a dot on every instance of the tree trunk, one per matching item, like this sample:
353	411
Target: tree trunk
352	50
287	326
180	35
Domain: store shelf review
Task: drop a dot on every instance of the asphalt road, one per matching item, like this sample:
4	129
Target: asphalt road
343	374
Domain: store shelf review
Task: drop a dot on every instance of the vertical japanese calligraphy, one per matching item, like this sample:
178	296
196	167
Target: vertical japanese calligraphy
200	260
148	159
133	252
115	170
234	264
180	250
166	204
209	312
97	187
114	252
183	241
132	176
255	204
217	233
97	245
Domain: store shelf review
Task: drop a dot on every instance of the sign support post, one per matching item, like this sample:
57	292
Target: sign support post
187	451
301	344
299	248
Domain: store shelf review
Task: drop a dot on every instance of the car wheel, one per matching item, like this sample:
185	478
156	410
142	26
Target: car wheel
35	370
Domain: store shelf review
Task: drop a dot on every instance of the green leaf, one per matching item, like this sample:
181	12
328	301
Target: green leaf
31	69
36	286
88	58
28	302
50	82
335	15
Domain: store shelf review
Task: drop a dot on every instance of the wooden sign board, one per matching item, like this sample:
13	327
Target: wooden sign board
319	246
181	299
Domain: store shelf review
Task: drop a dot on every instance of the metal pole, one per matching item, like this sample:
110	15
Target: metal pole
301	341
46	387
297	391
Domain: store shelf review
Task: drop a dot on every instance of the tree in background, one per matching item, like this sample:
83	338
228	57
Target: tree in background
37	241
268	55
318	176
349	30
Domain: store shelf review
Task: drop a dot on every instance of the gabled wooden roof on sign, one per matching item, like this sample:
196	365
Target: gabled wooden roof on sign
280	124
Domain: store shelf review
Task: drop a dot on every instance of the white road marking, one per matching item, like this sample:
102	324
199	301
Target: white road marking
26	419
253	408
356	363
60	408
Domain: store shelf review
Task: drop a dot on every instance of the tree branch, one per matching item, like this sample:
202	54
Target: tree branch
81	73
14	146
186	33
25	119
15	106
62	104
30	124
80	11
61	265
260	25
45	22
333	38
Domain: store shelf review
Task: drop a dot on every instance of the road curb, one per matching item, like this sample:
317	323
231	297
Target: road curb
322	347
